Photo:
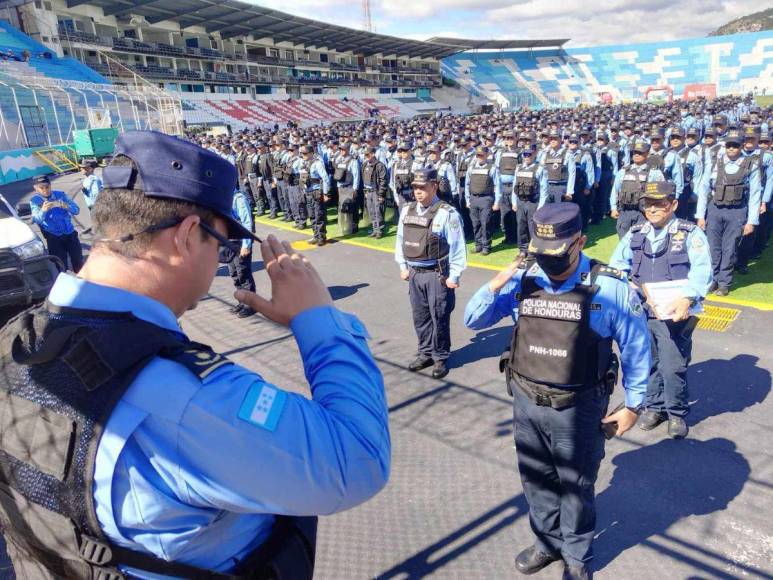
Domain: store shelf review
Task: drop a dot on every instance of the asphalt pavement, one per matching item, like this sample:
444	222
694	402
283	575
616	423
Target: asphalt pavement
454	506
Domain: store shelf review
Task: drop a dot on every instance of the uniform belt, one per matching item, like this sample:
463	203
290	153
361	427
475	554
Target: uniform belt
629	207
482	194
731	206
433	268
564	182
557	398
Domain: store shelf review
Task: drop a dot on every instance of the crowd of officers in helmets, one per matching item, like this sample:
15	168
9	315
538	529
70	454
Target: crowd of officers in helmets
497	170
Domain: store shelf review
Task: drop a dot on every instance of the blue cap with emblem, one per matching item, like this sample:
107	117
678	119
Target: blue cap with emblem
424	176
554	228
659	190
167	167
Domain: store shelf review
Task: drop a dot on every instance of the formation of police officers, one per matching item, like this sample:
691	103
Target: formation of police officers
126	403
496	170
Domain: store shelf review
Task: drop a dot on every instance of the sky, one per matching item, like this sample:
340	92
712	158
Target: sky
585	22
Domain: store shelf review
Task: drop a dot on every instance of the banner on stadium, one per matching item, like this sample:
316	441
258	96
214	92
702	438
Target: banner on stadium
694	91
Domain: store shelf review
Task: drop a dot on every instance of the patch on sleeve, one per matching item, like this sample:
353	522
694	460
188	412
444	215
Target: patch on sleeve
263	406
634	304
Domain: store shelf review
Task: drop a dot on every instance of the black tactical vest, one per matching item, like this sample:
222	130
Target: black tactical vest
508	161
732	189
553	343
368	171
481	182
634	184
62	372
420	244
403	175
342	174
553	163
291	177
444	186
656	160
526	186
686	169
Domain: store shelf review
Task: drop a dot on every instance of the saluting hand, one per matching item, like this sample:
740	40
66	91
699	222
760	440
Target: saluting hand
295	284
505	275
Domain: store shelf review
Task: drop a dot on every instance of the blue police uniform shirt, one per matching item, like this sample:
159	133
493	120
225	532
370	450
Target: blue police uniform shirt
446	169
569	163
241	211
354	168
92	185
192	470
767	163
752	181
56	221
540	176
617	186
700	275
620	317
672	166
316	171
587	165
446	224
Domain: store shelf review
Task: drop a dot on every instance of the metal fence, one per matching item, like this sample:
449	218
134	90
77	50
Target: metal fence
40	111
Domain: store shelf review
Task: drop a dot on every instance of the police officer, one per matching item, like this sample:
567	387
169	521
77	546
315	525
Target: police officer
91	185
482	192
691	165
464	156
52	211
346	174
507	159
629	187
314	182
264	178
431	254
280	172
240	264
560	167
667	249
401	178
126	403
447	182
298	209
729	207
529	193
584	178
568	311
374	180
605	156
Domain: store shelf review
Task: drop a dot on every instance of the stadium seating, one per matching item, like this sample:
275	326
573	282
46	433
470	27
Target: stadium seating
722	64
243	113
42	61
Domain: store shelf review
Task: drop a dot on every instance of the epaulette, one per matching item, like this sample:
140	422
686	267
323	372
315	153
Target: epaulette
601	269
198	358
686	225
637	228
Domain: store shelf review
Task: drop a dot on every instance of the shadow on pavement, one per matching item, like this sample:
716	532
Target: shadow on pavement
488	343
341	292
426	561
656	486
726	386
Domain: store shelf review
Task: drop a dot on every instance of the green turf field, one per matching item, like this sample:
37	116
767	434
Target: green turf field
757	286
764	101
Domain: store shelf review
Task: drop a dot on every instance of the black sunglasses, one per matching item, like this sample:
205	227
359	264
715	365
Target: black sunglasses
224	243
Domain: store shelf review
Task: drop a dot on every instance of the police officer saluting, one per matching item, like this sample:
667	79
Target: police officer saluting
560	369
431	254
667	249
155	450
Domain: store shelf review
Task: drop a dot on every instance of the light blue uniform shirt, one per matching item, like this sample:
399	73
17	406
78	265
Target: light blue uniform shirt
92	185
56	221
446	224
540	176
617	186
181	475
571	166
446	169
752	181
699	277
241	211
317	171
620	317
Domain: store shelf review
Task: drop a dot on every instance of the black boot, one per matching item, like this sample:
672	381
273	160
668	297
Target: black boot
531	560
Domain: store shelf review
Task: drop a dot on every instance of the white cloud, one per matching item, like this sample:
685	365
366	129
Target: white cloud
586	24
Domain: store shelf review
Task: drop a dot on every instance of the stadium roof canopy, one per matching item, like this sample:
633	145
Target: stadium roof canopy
467	44
233	18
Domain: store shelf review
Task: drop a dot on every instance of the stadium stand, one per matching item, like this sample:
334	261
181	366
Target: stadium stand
558	77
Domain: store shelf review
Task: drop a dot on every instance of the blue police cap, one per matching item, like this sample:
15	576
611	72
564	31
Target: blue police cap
424	176
170	168
554	227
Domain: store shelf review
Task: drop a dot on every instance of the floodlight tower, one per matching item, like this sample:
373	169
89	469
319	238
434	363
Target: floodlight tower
367	23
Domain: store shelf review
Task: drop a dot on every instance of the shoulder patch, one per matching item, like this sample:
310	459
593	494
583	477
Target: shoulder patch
611	272
686	225
199	360
262	406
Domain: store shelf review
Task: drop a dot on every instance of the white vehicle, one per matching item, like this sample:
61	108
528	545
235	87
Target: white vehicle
27	271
